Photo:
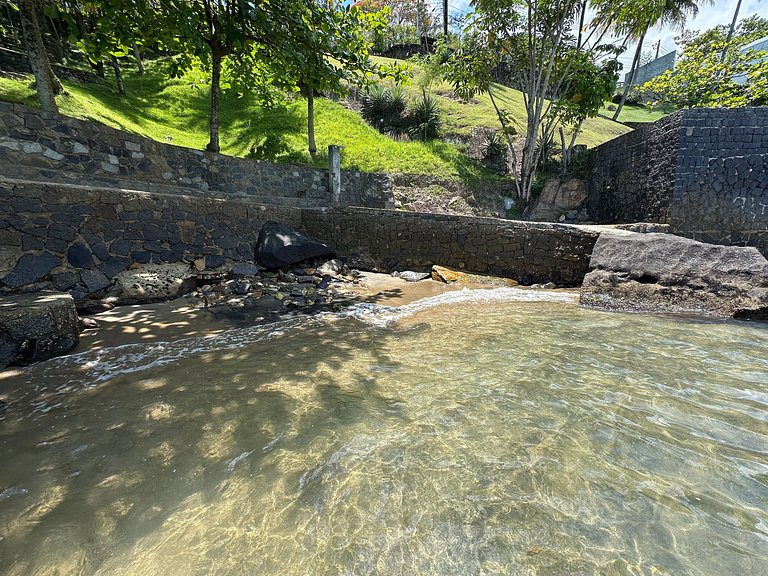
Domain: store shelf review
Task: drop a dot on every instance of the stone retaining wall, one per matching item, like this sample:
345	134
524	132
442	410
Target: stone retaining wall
15	61
632	176
703	171
390	240
50	147
721	183
77	238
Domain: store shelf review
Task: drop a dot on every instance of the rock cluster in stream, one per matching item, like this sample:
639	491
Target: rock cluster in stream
310	285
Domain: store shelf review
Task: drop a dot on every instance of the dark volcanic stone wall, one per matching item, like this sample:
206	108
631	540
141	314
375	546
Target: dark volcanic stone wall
78	238
703	171
38	146
721	185
389	240
633	175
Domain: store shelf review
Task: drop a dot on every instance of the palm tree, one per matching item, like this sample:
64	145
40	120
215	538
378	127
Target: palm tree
667	12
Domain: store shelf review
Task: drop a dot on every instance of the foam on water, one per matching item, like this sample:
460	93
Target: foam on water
520	436
93	367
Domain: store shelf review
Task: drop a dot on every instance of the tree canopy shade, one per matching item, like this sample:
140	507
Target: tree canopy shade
267	47
715	70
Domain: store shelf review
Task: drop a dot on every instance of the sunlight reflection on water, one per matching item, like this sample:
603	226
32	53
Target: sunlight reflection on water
509	436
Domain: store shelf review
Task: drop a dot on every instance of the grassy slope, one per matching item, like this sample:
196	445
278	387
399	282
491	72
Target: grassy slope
636	113
460	118
175	111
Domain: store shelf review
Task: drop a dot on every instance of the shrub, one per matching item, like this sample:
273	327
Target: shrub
424	120
268	148
493	146
383	108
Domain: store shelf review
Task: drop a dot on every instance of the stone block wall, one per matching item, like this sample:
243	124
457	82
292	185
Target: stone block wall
703	171
632	177
77	238
38	146
390	240
721	182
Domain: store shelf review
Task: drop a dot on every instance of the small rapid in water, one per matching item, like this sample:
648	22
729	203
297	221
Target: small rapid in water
477	432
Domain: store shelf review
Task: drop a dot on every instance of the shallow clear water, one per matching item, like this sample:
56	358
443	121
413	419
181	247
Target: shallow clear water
500	437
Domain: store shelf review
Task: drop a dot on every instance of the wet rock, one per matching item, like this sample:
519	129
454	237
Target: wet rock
410	276
245	269
330	268
241	287
88	324
153	283
324	283
280	245
665	273
36	327
94	306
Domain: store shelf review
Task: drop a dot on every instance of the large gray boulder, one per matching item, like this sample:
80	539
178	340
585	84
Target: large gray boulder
666	273
153	283
281	245
36	327
558	198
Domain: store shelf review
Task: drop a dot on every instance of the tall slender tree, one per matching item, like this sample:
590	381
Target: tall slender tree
48	85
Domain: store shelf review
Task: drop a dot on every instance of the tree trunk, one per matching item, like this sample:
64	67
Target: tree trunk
47	83
57	47
213	145
311	123
510	145
98	67
730	31
582	12
137	55
633	72
118	76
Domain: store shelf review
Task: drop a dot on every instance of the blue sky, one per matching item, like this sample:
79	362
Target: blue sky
720	12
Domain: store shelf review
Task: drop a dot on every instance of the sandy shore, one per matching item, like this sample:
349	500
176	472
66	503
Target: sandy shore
183	318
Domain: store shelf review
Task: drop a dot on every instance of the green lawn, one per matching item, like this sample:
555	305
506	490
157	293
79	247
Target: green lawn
459	117
177	111
631	113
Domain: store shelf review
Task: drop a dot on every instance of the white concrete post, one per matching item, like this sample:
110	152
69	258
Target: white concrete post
334	172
